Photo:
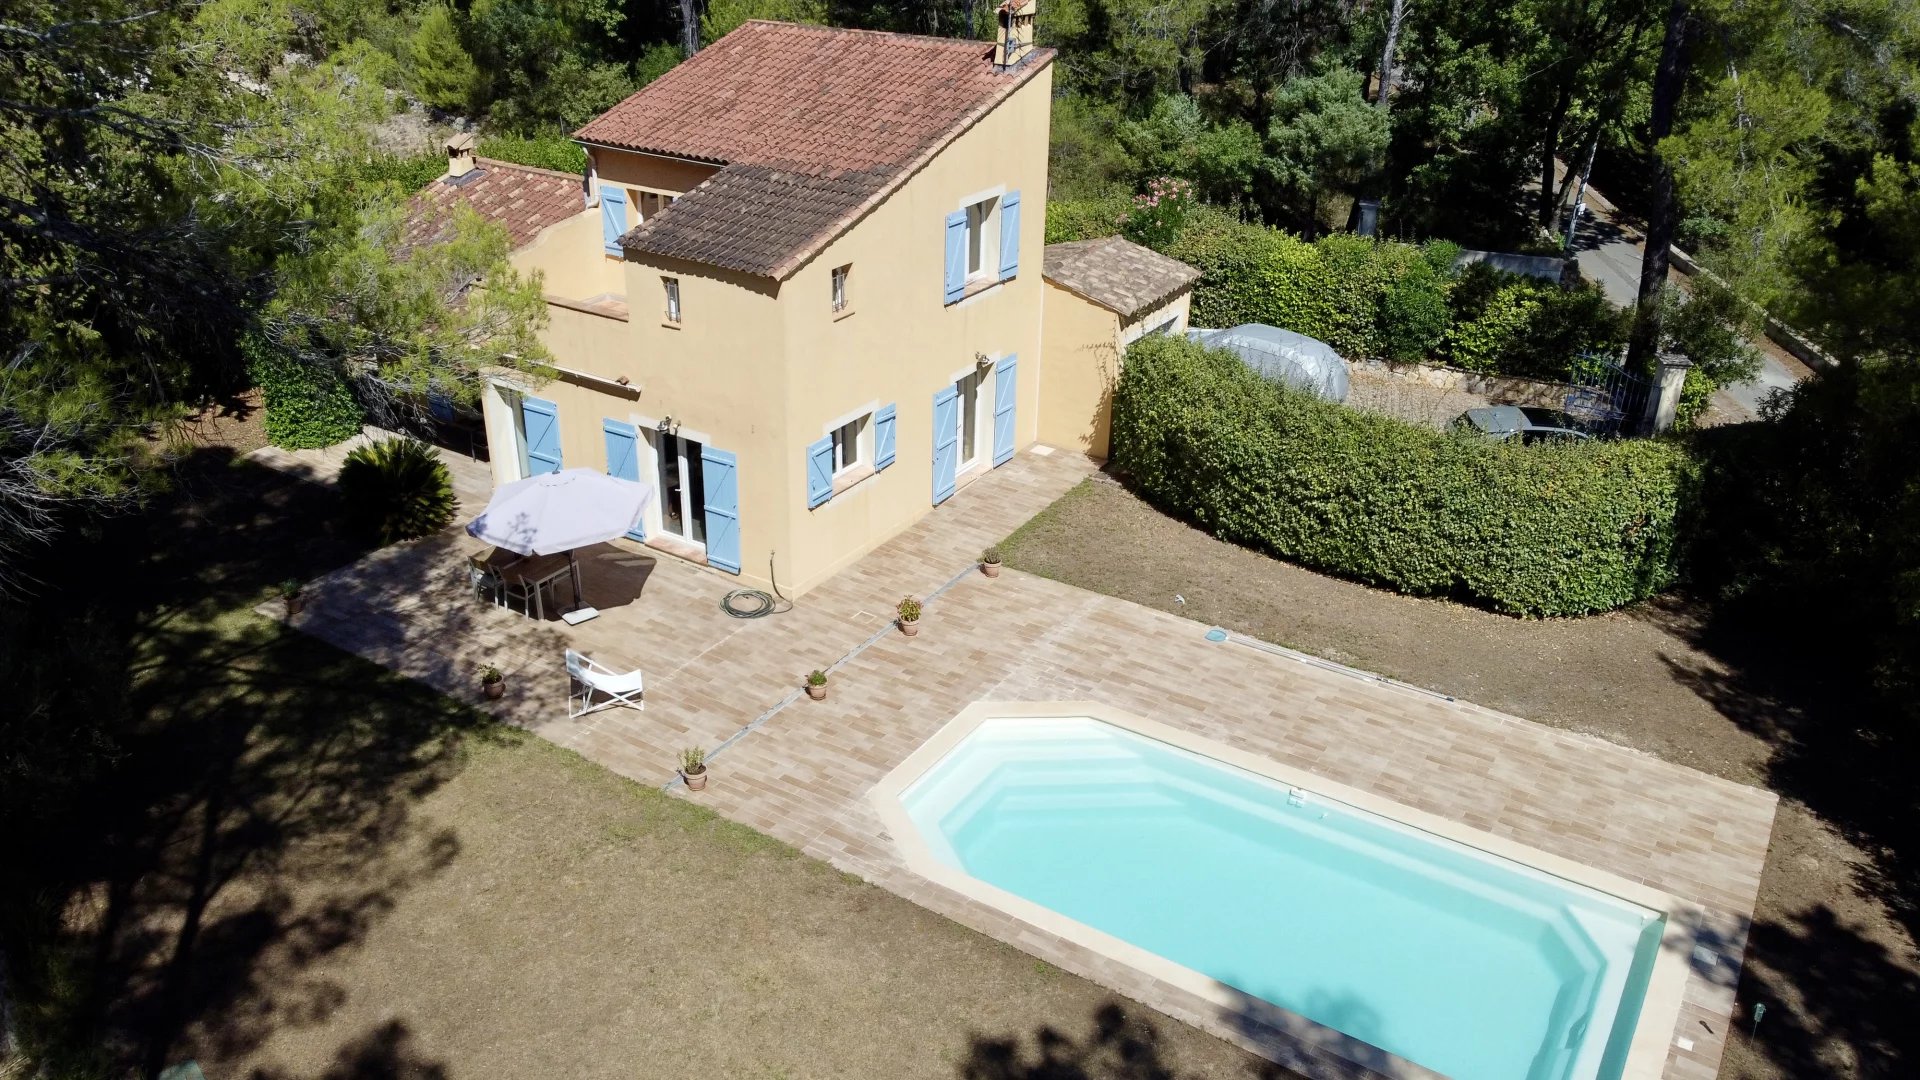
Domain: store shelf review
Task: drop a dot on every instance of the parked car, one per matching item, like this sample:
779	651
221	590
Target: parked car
1528	424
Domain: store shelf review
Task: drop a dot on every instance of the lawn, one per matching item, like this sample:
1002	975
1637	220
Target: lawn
1832	954
231	842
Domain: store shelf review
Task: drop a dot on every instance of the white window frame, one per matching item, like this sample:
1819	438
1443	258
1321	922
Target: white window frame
672	287
838	277
983	233
861	420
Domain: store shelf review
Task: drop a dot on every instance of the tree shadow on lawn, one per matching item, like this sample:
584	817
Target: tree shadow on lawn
1121	1044
1804	693
200	803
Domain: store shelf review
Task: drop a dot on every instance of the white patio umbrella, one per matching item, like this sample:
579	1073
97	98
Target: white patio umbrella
561	511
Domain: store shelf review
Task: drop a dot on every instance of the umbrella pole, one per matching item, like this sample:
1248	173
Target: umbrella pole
573	565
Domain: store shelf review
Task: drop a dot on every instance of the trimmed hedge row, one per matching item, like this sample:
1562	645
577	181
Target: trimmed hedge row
1533	530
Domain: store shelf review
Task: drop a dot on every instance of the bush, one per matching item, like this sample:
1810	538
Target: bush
1084	219
1159	213
1509	325
396	489
308	405
1527	530
554	151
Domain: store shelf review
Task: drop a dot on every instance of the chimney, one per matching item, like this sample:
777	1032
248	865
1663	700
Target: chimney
1014	40
459	155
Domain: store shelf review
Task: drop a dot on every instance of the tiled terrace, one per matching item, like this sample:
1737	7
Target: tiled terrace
801	770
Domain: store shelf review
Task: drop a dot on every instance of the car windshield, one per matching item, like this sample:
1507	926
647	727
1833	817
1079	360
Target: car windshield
1548	418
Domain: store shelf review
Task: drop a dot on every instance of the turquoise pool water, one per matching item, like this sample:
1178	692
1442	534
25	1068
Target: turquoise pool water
1469	964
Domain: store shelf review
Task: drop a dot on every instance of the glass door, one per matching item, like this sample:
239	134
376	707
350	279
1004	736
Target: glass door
968	417
683	495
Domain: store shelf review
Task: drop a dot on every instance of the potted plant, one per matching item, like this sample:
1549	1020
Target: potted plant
693	768
817	685
290	595
492	682
909	616
990	562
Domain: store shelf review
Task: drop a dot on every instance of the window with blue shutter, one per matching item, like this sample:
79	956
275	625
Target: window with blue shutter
1009	235
540	427
720	473
623	460
956	281
883	437
819	472
946	442
1006	384
613	218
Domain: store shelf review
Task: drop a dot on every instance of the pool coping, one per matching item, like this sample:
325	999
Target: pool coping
1660	1007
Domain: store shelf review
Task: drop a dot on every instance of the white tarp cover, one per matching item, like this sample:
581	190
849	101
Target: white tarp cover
560	511
1295	359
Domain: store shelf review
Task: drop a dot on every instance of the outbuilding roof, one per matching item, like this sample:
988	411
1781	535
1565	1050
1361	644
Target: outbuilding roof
811	125
520	199
1117	274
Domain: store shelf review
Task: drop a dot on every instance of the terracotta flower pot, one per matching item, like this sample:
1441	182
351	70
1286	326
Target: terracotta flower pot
494	690
817	693
295	604
910	627
991	569
695	781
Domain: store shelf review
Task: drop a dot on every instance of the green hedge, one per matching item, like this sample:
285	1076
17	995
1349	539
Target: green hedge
308	405
1527	530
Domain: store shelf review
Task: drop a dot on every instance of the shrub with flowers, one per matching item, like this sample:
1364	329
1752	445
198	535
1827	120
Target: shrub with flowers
1157	214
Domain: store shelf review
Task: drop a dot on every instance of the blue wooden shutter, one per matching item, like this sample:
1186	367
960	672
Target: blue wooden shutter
613	218
541	421
623	460
1006	386
1009	235
819	472
883	437
719	471
956	255
946	442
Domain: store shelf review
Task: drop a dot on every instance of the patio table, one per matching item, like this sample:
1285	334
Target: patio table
536	572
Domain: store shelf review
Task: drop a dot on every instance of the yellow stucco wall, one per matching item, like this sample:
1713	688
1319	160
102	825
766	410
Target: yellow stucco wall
647	172
761	368
1082	348
570	258
902	342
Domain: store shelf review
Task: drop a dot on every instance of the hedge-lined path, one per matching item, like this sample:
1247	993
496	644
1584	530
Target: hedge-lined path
1829	956
804	775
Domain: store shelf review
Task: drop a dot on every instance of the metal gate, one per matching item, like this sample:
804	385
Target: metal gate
1606	400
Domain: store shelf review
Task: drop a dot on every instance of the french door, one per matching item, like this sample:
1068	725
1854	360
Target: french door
683	492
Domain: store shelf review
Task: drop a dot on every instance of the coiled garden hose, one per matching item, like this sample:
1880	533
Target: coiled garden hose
753	603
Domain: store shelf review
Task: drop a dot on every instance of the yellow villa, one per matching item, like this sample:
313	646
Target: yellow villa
800	290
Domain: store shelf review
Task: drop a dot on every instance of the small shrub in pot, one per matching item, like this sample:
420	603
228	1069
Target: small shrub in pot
693	768
990	562
909	610
817	685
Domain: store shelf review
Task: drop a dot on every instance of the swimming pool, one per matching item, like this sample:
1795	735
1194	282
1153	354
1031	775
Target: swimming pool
1461	961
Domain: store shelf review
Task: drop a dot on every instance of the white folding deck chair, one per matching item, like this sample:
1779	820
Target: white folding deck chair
589	678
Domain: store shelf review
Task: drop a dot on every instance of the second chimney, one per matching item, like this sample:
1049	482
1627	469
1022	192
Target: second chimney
459	155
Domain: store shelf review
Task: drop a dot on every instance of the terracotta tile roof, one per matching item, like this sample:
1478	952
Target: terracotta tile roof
813	124
521	199
1117	273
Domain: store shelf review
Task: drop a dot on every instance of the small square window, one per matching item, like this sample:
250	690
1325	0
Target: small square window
840	287
846	444
673	298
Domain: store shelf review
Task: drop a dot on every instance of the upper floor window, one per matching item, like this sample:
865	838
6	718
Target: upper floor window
672	286
840	287
983	238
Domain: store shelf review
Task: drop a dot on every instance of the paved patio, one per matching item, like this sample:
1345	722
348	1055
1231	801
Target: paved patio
801	770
